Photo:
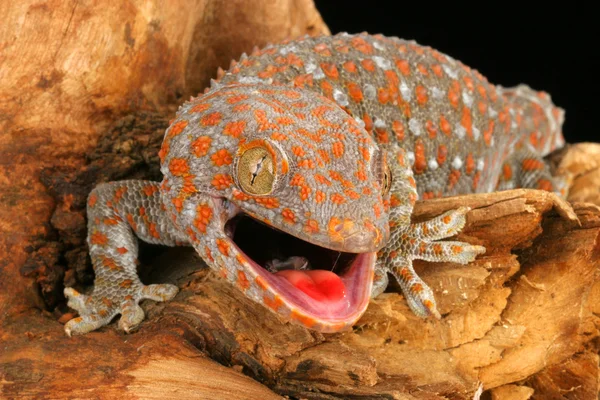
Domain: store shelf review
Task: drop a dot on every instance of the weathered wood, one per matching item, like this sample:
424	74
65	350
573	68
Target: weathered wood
522	320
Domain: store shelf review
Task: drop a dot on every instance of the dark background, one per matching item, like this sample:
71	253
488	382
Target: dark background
550	48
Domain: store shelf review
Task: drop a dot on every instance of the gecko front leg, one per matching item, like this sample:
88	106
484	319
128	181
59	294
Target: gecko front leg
409	241
116	211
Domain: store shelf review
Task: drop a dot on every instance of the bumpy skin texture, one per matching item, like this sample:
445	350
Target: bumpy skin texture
352	129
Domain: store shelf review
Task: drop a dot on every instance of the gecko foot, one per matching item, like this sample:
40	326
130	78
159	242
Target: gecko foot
421	241
108	300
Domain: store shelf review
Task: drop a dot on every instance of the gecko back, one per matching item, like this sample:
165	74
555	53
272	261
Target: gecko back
461	133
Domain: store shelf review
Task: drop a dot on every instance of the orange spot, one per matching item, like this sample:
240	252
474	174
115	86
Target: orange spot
111	221
506	172
119	194
469	83
487	134
453	178
153	231
311	226
223	247
288	216
278	136
337	198
306	163
420	161
437	69
322	180
398	129
368	123
304	192
403	66
545	184
110	263
221	157
268	72
177	128
222	181
382	135
241	108
236	98
361	45
261	283
431	129
92	200
99	238
330	70
178	203
383	95
320	196
354	92
126	283
303	80
350	66
211	119
457	249
303	319
531	164
122	250
273	303
421	95
338	149
454	93
242	281
263	121
297	180
239	195
149	190
201	145
324	155
368	64
268	202
200	107
445	126
469	164
203	216
131	222
298	151
327	89
234	129
482	107
466	121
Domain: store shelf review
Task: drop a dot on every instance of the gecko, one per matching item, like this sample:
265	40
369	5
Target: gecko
294	177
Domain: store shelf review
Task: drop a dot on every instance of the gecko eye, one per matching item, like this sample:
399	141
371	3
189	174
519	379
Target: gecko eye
387	180
255	171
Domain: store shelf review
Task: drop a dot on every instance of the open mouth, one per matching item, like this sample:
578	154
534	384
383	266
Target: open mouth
329	286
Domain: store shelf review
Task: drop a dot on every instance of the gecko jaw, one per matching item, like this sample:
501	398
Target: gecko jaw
329	294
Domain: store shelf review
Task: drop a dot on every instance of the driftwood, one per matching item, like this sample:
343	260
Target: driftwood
520	322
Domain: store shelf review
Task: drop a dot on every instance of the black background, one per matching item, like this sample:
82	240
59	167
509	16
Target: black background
550	48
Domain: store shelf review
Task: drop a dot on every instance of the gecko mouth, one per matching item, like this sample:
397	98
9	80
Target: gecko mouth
328	286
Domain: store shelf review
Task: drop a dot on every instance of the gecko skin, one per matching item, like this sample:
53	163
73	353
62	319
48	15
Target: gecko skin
295	175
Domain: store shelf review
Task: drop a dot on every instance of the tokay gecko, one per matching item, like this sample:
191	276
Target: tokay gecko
295	174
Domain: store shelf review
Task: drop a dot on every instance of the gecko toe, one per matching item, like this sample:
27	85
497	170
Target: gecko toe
132	316
159	292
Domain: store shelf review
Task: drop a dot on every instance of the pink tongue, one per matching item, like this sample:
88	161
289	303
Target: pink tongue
318	284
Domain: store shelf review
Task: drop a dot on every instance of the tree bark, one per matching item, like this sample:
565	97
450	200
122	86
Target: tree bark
90	103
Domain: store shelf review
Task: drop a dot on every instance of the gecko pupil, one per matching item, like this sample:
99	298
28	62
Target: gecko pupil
257	170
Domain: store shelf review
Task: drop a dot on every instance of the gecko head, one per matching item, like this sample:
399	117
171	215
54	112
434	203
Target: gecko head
285	194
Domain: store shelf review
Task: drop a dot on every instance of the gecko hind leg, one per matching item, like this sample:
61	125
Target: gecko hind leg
117	211
409	241
527	169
